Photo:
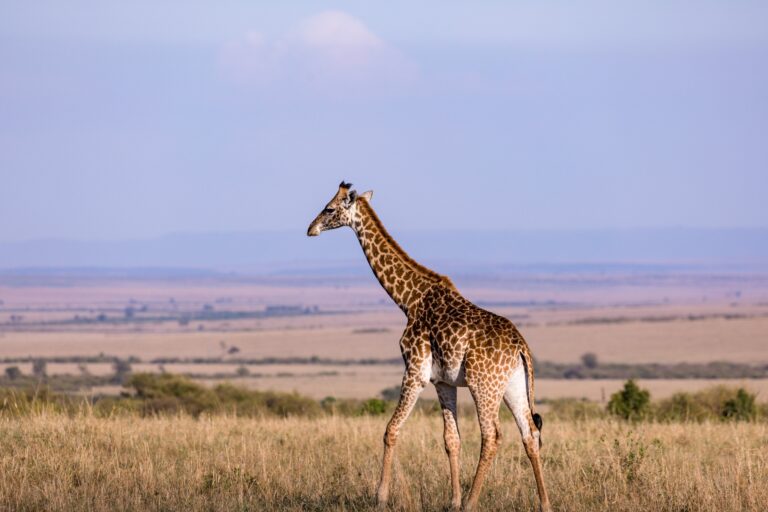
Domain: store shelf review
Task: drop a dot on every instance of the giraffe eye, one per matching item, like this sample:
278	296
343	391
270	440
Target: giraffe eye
329	210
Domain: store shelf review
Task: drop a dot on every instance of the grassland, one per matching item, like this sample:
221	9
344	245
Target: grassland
64	461
56	462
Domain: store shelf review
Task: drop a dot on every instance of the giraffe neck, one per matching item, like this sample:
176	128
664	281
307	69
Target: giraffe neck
403	279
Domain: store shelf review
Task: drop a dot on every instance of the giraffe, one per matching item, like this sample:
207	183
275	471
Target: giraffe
448	341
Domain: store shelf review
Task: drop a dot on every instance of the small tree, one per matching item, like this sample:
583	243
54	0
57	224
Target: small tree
39	368
631	403
589	360
12	372
122	369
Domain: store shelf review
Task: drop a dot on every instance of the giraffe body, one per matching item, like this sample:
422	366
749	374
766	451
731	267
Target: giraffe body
448	341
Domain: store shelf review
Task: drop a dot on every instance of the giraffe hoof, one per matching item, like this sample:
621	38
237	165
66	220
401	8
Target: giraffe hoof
381	502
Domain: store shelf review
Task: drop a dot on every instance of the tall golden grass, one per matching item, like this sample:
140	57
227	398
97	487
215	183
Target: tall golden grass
57	462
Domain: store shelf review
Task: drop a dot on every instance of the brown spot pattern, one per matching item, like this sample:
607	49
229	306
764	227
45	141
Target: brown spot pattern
444	331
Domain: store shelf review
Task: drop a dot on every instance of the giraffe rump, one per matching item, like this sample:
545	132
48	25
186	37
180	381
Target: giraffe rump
537	420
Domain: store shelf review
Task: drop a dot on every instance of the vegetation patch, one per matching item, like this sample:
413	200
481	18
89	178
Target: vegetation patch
152	394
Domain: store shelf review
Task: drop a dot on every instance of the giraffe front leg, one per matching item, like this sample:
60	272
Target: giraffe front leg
447	396
413	385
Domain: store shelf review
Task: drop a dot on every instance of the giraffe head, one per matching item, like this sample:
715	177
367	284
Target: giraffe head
339	211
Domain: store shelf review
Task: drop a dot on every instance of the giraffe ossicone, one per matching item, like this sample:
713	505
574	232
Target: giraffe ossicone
448	341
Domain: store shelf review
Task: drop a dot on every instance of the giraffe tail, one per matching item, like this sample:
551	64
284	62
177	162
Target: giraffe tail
537	420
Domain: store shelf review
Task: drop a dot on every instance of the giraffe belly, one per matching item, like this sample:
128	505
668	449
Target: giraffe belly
453	376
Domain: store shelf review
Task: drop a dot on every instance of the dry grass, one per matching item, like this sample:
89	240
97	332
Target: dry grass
53	462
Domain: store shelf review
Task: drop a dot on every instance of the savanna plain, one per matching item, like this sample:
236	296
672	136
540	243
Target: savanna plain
81	430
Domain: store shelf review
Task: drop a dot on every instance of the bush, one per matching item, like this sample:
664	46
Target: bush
631	403
12	372
340	407
714	403
683	407
169	393
290	404
740	407
374	407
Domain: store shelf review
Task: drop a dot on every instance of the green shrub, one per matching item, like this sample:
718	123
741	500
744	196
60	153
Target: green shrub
154	394
714	403
341	407
631	403
374	407
741	407
167	393
291	404
239	400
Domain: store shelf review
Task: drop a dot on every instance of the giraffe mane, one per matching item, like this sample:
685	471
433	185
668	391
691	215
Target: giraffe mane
400	251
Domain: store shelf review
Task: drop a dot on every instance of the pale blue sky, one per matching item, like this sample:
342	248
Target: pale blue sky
137	119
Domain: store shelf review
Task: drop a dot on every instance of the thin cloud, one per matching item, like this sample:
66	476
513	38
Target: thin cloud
330	52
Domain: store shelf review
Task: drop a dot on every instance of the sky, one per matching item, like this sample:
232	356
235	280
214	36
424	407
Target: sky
126	120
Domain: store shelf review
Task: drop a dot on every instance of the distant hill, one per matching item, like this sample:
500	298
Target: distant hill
338	251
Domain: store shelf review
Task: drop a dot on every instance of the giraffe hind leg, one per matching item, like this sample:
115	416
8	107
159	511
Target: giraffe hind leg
487	400
447	396
516	398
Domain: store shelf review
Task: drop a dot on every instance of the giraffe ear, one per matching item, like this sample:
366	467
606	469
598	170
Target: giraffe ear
367	195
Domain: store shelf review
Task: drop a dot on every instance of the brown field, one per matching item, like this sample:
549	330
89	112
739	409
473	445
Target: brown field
625	319
737	340
58	463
